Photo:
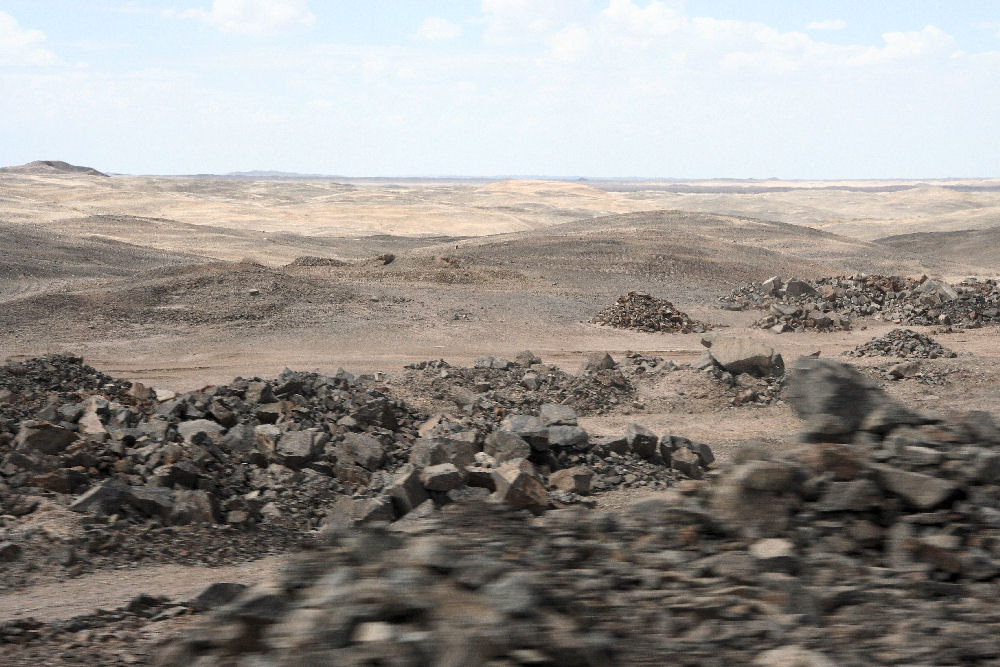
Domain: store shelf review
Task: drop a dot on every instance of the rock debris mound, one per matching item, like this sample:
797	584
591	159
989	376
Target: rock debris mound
825	554
642	311
494	386
903	343
312	261
911	301
258	461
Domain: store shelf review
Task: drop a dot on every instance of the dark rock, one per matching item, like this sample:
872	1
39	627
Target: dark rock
505	446
9	551
43	438
441	477
565	437
407	490
641	440
530	428
362	450
105	498
834	399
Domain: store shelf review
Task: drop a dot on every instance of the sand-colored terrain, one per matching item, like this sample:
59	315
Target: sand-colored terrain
183	282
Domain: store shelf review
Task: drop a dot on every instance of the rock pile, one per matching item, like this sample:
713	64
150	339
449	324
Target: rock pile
882	551
795	305
910	301
642	311
904	343
239	454
789	317
313	261
293	453
495	387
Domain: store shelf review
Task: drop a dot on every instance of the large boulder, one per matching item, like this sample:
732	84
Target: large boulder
744	355
834	400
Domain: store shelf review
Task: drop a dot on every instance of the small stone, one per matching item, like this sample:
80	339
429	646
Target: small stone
9	552
441	477
572	480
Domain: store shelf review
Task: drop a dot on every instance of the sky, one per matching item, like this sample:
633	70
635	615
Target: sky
806	89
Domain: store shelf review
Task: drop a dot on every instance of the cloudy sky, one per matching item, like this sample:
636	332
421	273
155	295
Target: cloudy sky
656	88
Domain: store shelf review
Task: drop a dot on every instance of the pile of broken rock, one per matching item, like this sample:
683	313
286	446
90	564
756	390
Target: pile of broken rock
495	387
904	343
921	301
879	550
645	312
795	305
295	452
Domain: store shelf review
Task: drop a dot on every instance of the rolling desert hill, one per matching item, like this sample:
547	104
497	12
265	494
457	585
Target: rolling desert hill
678	250
279	270
33	259
975	246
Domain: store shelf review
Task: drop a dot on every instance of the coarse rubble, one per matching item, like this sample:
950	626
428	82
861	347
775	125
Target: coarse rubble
921	301
642	311
878	550
258	464
495	387
904	343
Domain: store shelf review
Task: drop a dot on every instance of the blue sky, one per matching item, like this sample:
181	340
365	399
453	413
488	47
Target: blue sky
716	88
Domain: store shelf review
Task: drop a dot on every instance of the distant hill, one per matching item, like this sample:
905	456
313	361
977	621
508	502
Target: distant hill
50	167
976	246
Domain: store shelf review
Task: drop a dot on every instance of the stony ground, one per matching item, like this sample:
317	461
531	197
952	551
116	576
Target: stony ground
414	409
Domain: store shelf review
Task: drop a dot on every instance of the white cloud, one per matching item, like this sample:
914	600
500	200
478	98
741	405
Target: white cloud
255	17
22	46
988	25
517	20
827	24
569	44
435	28
656	18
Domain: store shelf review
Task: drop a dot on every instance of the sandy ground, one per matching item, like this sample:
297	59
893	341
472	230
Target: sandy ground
480	268
114	588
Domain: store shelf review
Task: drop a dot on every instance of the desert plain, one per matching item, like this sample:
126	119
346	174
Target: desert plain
179	283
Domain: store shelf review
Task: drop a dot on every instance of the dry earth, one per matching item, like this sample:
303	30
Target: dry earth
183	282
